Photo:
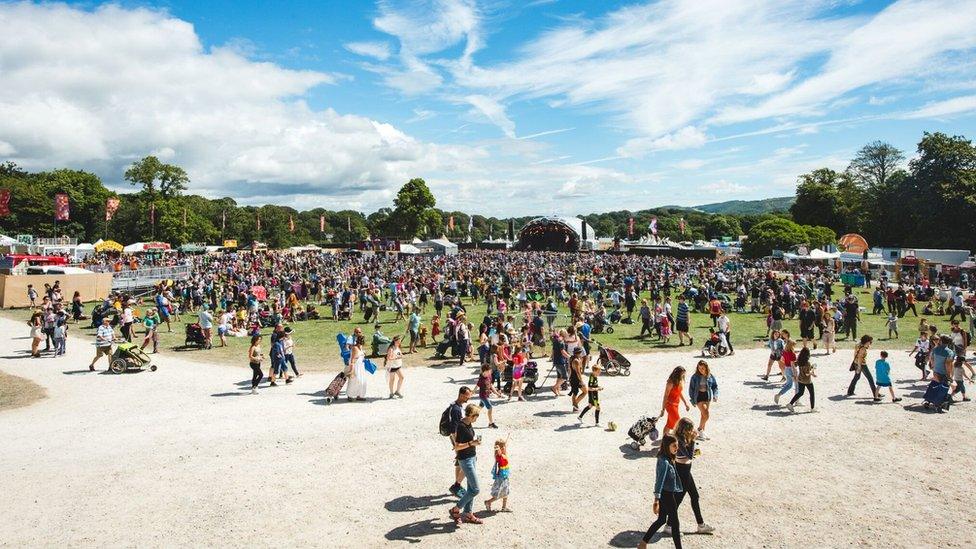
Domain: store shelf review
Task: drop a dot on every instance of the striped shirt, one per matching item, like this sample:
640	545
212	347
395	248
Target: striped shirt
683	313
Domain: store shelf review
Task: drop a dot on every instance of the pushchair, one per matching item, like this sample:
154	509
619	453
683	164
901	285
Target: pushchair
128	356
615	316
643	428
612	361
530	378
194	336
600	325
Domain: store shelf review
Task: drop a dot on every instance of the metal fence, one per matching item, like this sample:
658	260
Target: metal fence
129	280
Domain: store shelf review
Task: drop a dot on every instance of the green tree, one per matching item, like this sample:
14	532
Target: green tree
818	201
819	237
773	234
413	210
874	164
146	172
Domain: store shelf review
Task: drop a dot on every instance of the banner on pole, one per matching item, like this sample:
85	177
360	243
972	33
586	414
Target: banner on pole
630	227
62	209
111	206
4	202
291	224
321	223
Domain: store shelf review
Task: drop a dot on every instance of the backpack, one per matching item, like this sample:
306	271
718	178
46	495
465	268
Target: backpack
446	426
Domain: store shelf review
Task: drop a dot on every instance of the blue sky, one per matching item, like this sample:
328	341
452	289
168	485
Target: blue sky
504	107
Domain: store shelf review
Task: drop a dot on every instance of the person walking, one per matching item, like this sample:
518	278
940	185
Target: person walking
466	446
559	358
254	358
684	433
789	359
645	317
36	333
667	493
593	394
288	345
673	396
702	392
859	367
804	379
725	328
683	322
577	391
151	321
393	362
104	337
485	391
829	332
356	371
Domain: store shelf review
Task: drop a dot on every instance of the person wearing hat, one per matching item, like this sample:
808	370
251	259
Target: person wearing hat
593	392
289	344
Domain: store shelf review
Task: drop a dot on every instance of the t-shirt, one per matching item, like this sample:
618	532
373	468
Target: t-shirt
682	313
104	336
484	385
206	320
557	352
882	371
939	357
501	466
464	433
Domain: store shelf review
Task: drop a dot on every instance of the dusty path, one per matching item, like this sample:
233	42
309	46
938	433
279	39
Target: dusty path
184	456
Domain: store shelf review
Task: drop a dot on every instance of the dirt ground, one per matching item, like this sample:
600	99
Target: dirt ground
16	392
184	456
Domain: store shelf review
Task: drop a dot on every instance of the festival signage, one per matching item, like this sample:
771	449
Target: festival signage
62	208
4	202
111	206
230	243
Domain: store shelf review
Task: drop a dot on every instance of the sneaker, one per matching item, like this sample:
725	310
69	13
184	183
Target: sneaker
765	378
397	394
705	529
273	384
596	424
776	398
666	532
898	399
790	408
391	395
254	391
454	489
814	411
492	426
580	420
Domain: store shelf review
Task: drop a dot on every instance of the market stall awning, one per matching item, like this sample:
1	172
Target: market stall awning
108	246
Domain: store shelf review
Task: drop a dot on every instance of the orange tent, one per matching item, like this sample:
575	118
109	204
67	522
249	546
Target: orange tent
853	243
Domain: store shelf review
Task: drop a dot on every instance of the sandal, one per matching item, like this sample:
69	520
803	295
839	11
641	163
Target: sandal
472	519
455	515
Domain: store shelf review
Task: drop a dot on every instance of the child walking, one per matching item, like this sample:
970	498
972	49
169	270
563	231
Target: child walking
892	326
499	488
593	394
921	352
882	376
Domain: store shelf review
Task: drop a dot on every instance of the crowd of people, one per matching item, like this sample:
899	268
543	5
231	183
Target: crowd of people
537	305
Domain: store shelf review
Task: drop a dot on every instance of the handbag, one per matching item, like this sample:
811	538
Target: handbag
370	366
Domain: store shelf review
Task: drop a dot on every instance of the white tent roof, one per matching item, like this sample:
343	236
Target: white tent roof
820	254
7	241
409	249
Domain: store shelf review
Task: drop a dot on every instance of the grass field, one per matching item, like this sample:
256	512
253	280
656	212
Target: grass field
315	344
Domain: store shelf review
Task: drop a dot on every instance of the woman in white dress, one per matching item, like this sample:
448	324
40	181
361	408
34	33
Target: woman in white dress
356	371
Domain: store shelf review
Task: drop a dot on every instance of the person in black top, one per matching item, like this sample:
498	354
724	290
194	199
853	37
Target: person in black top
808	318
464	393
465	444
851	316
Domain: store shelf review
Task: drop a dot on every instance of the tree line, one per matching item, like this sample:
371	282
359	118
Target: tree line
928	202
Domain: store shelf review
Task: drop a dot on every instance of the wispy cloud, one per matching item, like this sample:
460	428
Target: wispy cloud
547	132
376	50
950	107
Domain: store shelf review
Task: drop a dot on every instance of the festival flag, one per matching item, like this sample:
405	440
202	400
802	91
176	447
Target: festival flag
470	226
291	224
62	208
450	223
630	227
184	216
4	202
223	220
152	213
111	206
259	221
653	226
348	224
321	223
681	225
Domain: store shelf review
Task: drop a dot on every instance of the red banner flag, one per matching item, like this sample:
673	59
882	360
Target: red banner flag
321	223
223	220
4	202
111	206
291	224
681	225
450	223
62	208
259	221
630	227
152	213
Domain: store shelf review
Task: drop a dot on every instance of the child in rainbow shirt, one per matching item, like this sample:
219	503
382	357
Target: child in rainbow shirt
499	489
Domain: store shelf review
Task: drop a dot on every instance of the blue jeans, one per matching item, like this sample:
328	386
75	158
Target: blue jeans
471	476
789	381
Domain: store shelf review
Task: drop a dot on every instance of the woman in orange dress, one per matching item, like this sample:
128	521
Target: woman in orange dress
674	395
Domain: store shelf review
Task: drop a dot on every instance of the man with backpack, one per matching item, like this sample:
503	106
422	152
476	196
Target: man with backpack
450	419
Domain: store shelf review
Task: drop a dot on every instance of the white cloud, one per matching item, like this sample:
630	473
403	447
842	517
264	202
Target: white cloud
376	50
420	115
956	106
688	137
98	89
724	188
690	164
493	111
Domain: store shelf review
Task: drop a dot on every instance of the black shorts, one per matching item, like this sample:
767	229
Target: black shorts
575	384
806	333
593	398
682	326
561	372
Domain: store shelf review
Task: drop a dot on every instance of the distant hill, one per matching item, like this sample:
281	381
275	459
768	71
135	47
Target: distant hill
744	207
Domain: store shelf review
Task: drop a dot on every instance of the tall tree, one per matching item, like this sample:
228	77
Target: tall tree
874	164
146	172
414	209
818	201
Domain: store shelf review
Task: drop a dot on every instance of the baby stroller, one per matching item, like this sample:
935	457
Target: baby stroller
530	376
612	361
615	316
643	428
194	336
713	348
600	325
128	356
